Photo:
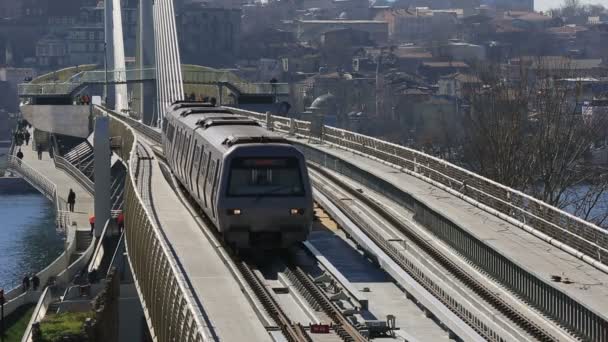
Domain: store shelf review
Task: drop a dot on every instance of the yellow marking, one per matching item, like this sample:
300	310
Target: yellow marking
322	221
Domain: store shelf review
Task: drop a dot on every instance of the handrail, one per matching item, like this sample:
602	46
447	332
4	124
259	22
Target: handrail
45	186
39	312
62	164
99	250
154	268
582	236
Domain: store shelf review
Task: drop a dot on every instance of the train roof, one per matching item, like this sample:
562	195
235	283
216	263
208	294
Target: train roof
222	128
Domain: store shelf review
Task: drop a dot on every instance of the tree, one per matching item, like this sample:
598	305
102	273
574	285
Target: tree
526	132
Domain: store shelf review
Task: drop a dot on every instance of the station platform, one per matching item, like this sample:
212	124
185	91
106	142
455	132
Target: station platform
84	206
230	314
589	286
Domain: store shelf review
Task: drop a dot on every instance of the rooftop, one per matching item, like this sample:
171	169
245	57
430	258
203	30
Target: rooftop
454	64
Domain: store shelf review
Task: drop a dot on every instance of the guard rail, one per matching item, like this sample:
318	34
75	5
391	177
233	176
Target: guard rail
167	302
586	238
45	186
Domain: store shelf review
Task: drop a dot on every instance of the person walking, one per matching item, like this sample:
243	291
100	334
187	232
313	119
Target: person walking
26	283
71	200
20	156
27	138
39	150
35	282
92	223
120	220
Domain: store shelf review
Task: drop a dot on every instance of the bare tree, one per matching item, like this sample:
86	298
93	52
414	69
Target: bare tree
527	133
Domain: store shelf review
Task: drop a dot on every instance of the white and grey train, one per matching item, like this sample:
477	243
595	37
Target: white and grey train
251	183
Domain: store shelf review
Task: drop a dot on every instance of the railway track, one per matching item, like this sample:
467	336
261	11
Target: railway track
527	325
310	290
292	331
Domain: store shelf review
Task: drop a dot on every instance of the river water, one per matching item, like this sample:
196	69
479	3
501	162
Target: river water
29	240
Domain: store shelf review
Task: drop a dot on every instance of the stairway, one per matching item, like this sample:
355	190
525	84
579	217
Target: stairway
83	240
53	307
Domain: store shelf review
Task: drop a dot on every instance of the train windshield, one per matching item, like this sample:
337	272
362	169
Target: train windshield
260	177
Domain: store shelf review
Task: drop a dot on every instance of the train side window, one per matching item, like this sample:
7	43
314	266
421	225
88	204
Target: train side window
199	170
194	165
178	141
216	167
206	163
185	159
182	152
178	149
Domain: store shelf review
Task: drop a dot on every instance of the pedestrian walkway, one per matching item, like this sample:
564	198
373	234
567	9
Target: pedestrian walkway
84	201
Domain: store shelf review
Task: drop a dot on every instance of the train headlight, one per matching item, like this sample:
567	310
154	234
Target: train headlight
296	211
235	212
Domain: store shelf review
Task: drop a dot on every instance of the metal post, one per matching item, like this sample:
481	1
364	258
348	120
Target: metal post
105	65
2	314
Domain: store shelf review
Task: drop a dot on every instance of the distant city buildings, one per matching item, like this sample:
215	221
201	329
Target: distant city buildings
208	35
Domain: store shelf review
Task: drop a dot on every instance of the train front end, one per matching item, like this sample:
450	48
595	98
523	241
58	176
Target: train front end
266	200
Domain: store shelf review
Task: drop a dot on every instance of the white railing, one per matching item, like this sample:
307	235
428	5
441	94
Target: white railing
168	302
39	312
62	164
45	186
582	236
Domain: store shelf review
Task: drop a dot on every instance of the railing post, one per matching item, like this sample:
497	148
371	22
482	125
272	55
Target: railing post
269	123
292	126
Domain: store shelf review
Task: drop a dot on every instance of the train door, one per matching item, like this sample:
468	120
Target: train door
188	160
214	189
194	166
169	140
209	191
201	169
177	145
184	153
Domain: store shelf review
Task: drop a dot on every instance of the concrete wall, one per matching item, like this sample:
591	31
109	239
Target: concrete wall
67	119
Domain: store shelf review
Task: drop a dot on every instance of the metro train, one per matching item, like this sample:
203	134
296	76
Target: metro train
251	183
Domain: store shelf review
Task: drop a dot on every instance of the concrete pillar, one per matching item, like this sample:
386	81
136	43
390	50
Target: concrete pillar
101	153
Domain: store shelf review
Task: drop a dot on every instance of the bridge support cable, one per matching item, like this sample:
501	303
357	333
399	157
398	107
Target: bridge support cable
146	92
168	67
115	49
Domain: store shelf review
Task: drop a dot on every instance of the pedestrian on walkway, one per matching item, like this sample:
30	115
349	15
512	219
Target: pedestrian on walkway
120	220
27	138
71	200
92	223
35	282
26	283
20	156
39	150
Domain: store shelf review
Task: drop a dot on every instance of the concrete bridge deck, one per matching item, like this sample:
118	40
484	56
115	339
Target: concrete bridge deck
589	286
231	316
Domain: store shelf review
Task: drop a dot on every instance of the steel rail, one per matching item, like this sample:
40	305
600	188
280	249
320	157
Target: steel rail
292	332
341	325
475	285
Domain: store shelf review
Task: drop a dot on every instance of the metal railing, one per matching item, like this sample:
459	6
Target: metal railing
45	186
62	164
167	302
588	239
210	77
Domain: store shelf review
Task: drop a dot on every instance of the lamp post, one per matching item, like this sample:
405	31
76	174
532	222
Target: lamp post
105	64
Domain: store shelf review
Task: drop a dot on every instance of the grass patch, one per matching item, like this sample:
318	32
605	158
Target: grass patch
54	327
16	323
